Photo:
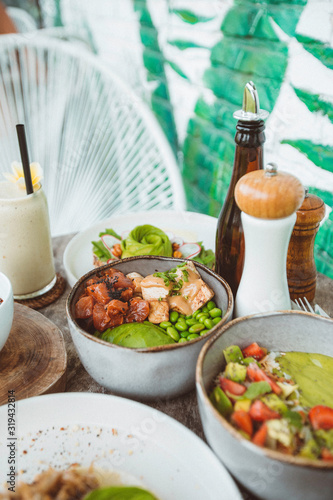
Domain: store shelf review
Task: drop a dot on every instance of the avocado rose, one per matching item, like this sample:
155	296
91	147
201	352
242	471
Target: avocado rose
146	240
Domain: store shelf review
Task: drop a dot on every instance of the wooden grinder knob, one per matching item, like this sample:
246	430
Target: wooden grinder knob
301	267
269	194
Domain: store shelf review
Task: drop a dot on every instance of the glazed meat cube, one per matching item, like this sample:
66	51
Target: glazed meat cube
138	310
84	307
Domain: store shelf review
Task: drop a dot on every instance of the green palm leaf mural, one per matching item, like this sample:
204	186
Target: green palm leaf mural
154	61
249	50
321	155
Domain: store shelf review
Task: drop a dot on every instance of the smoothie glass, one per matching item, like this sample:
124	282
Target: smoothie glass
26	256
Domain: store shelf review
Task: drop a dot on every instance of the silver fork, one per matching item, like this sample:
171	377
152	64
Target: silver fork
305	305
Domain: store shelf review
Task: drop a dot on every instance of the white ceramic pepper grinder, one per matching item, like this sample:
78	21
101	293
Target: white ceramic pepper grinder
268	200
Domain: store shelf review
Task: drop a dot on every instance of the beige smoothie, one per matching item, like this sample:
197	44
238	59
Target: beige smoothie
26	255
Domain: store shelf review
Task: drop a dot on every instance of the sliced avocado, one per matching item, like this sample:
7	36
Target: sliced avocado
274	403
243	405
137	335
247	361
257	389
235	372
233	354
310	450
221	402
325	438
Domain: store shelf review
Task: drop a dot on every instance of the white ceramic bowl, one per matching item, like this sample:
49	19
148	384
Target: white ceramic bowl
155	372
268	474
6	309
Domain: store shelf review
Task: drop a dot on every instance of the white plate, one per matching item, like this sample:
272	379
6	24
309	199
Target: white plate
114	433
190	226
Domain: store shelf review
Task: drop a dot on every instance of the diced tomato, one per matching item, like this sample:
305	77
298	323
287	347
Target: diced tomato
100	317
261	412
138	310
84	307
243	420
256	374
116	307
326	454
100	292
260	436
254	351
232	387
321	417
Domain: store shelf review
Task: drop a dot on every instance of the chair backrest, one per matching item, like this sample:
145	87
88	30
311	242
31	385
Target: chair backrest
101	148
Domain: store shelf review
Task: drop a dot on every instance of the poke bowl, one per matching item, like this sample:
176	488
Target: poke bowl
6	308
127	363
279	455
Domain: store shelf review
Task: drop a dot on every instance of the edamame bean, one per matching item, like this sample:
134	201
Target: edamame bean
208	323
206	315
202	318
196	328
211	305
191	321
165	324
196	313
174	316
215	312
192	336
181	340
216	320
205	309
203	333
181	327
185	334
172	332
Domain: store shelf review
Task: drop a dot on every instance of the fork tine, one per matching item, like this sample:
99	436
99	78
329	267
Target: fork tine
309	305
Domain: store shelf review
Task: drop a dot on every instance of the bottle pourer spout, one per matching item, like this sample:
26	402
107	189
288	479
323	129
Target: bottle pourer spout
251	108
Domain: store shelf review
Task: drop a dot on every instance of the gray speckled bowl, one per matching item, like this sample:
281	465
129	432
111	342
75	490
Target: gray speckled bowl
268	474
150	373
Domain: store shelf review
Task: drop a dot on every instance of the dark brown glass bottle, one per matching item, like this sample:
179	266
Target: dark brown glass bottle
249	141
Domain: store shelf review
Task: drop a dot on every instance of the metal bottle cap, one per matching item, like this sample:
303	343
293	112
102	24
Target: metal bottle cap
251	108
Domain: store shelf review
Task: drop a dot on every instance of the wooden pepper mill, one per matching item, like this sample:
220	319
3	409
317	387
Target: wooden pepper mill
301	267
268	200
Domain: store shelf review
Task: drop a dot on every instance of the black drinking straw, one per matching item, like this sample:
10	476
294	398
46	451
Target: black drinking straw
24	157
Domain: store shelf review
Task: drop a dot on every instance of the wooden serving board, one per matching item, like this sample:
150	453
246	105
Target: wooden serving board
33	360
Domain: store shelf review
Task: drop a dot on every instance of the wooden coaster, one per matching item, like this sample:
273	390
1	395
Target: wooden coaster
48	297
33	360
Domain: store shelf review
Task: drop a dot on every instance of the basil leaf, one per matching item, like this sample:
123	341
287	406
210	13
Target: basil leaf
256	389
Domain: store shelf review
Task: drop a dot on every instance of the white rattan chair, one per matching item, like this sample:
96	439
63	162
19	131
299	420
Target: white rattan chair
101	148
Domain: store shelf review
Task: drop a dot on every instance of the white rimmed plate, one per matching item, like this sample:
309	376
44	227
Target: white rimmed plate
114	433
192	227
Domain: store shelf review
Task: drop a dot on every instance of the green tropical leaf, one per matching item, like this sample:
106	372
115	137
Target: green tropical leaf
251	56
191	17
177	69
245	21
229	85
154	61
315	104
185	44
320	155
321	51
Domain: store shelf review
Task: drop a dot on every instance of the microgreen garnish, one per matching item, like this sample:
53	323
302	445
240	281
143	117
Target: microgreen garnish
171	277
